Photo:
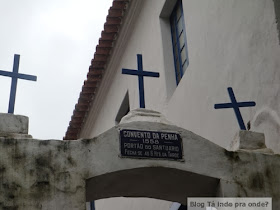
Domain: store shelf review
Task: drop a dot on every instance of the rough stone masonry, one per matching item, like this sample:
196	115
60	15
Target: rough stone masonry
53	174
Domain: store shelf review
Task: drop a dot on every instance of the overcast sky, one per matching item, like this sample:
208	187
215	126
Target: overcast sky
56	40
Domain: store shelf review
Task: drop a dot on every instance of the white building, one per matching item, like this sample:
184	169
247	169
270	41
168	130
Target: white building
232	43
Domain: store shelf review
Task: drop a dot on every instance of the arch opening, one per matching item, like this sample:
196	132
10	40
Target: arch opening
153	182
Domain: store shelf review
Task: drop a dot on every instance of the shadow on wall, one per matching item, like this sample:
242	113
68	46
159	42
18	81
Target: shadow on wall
166	184
267	121
277	14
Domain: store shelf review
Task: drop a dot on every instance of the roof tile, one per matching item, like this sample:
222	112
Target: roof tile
90	84
100	57
97	72
103	50
119	4
78	114
80	107
88	90
86	96
113	20
108	28
115	12
108	36
105	43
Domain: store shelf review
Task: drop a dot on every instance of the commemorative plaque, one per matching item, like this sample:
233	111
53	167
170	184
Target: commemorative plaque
151	144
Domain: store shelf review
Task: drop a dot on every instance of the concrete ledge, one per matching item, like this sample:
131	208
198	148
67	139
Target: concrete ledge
248	140
13	124
15	136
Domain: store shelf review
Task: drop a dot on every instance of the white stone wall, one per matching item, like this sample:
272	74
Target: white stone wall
231	43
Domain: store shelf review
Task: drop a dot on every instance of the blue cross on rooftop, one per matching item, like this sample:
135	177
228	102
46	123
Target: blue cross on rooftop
140	73
235	105
15	76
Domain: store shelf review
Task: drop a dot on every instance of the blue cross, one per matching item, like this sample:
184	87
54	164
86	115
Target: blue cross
235	105
15	76
140	73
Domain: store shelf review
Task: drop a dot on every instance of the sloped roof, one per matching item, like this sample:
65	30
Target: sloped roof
97	67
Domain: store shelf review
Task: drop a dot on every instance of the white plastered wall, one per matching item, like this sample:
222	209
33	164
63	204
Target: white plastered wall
231	44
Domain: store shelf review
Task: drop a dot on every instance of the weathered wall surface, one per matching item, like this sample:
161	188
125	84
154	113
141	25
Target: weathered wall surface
231	43
53	174
40	175
277	13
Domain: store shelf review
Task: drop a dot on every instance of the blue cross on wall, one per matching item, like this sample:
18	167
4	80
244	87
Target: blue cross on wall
235	105
15	76
140	73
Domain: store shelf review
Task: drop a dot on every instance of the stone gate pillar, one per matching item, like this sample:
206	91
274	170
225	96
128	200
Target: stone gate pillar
37	174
